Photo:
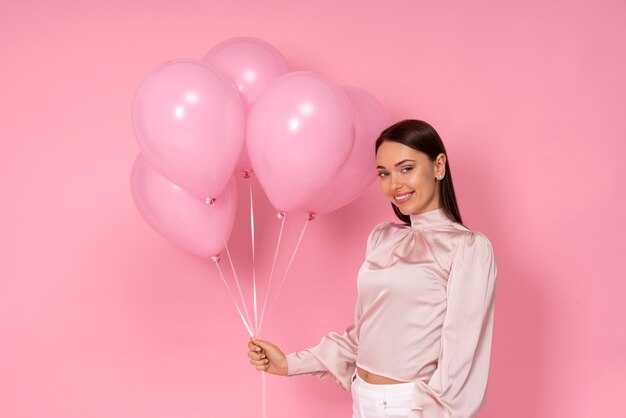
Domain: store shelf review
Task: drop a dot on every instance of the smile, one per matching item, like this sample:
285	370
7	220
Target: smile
401	198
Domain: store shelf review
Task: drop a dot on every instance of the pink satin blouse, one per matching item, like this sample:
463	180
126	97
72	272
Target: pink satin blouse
424	314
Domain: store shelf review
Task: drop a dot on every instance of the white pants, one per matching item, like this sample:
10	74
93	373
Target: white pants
380	401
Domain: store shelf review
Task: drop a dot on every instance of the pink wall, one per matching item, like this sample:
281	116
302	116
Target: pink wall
101	317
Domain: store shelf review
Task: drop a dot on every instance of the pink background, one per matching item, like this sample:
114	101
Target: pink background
102	317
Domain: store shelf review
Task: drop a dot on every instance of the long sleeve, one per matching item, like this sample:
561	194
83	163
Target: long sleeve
458	385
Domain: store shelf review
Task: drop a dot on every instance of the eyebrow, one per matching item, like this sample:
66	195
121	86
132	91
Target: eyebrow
397	164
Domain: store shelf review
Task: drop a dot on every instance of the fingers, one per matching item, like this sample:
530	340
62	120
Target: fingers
262	344
265	356
258	360
260	364
255	353
256	356
253	346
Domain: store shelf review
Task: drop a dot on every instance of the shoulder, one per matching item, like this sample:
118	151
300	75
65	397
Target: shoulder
475	238
474	248
466	238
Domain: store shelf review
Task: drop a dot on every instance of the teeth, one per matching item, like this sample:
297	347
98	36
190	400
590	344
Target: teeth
402	197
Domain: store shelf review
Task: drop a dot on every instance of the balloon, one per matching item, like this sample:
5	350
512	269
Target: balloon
189	222
358	172
251	64
300	130
189	122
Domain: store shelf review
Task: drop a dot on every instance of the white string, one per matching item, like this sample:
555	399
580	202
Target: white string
256	323
232	266
289	265
269	284
264	395
216	260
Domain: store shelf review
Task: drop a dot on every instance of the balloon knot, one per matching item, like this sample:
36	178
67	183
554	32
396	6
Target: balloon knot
311	216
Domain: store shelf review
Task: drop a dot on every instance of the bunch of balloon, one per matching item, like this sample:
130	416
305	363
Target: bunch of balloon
311	145
308	142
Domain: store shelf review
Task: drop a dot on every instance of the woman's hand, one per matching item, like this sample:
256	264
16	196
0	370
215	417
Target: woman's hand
267	357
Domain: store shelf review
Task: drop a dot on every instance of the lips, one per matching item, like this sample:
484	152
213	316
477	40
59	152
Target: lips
402	197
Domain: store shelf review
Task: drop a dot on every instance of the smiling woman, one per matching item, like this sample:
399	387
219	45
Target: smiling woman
414	171
421	340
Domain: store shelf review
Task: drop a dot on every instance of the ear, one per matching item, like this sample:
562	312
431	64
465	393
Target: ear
440	166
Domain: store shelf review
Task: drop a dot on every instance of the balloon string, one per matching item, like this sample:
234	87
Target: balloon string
269	284
264	395
216	260
289	265
256	322
232	266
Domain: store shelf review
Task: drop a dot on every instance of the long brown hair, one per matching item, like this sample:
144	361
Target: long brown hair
420	136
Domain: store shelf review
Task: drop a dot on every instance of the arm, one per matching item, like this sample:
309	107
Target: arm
334	358
457	387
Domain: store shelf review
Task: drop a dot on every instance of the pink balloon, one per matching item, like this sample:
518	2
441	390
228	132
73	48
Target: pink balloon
251	64
189	222
189	122
359	171
300	131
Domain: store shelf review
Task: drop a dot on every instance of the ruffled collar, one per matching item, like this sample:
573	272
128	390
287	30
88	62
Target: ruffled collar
430	219
404	243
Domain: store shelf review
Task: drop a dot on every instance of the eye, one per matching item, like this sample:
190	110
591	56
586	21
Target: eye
407	169
382	174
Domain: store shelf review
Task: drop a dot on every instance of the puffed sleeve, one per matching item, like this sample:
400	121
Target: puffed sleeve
458	385
334	358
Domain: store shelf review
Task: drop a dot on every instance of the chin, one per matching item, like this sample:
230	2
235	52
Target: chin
404	210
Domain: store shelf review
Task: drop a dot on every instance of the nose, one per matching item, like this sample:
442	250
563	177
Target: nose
395	182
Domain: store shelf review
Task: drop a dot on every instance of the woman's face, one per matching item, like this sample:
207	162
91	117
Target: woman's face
409	178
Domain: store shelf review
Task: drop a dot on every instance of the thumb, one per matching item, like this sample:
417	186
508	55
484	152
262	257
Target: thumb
263	344
270	349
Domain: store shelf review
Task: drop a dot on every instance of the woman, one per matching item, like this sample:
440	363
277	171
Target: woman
421	340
